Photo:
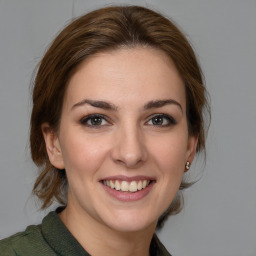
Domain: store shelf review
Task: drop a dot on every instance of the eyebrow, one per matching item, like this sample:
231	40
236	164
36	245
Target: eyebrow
96	103
109	106
161	103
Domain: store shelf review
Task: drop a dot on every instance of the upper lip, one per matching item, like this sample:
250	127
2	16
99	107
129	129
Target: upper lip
126	178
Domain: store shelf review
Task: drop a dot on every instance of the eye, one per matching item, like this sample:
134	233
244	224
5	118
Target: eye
94	120
161	120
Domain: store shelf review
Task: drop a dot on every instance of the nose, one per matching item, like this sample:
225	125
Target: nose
129	149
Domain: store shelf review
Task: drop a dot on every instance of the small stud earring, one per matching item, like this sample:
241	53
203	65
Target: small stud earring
187	167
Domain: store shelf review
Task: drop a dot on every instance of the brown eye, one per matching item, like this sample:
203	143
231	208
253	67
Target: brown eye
161	120
94	121
158	120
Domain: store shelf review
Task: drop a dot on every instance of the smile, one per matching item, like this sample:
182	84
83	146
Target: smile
128	189
126	186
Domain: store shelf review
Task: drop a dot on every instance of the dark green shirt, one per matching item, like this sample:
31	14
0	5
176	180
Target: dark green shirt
52	238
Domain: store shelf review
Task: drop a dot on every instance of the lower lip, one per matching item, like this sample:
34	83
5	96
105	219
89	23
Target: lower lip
128	196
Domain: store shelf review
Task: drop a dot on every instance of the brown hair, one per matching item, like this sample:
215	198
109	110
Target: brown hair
101	30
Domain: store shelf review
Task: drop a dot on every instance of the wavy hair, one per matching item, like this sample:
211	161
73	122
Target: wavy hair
101	30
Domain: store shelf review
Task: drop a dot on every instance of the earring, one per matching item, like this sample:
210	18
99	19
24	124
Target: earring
187	166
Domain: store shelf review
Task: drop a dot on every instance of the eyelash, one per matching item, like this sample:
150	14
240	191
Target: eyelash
84	121
170	120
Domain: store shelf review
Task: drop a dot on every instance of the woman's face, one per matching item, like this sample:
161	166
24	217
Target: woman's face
123	138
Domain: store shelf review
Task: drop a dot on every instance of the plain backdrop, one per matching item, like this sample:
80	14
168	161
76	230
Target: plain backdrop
219	217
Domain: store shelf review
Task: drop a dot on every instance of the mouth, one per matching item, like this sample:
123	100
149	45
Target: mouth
127	186
128	189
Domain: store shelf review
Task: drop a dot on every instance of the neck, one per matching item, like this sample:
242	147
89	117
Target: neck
99	240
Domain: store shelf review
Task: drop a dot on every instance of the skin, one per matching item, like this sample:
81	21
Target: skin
128	141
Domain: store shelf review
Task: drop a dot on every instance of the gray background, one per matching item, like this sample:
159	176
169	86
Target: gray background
220	210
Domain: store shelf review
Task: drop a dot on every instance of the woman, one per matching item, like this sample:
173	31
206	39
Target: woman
117	119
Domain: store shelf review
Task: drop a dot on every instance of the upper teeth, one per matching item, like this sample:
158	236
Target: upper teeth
125	186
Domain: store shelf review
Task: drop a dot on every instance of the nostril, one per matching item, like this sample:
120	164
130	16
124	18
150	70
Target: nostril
129	148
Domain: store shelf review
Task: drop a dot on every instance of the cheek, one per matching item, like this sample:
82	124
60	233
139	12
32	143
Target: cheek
169	155
82	154
170	152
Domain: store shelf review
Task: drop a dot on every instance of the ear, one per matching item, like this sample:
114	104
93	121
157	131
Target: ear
52	146
191	148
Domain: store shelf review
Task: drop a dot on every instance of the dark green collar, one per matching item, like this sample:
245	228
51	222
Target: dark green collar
59	238
63	243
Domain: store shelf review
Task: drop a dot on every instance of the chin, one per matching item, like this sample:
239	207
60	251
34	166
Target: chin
131	222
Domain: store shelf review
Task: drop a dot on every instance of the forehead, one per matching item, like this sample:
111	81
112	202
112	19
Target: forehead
126	75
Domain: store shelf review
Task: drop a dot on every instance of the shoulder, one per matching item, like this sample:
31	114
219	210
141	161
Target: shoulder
6	247
29	242
157	248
